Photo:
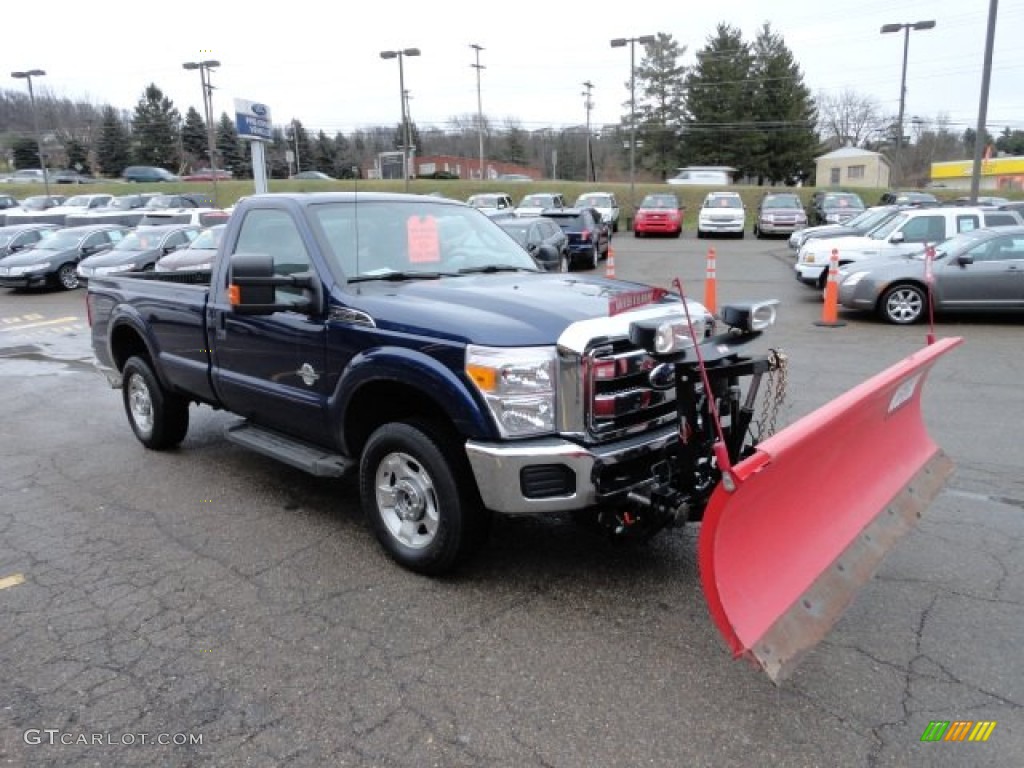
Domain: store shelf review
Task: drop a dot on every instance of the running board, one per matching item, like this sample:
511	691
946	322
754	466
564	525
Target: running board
295	453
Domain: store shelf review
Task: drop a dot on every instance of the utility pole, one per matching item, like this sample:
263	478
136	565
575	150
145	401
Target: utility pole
589	105
986	76
479	108
295	140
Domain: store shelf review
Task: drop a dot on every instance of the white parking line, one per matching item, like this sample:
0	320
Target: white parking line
26	326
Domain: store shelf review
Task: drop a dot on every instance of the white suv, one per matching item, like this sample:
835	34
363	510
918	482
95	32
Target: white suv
604	203
907	232
722	213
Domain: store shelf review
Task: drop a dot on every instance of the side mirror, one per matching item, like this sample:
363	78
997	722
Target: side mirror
252	283
897	237
964	259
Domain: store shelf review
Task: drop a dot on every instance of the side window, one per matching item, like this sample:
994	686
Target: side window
96	239
924	229
115	235
966	223
176	240
1000	249
274	232
999	220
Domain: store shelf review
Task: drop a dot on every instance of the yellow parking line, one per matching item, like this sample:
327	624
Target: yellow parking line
11	581
37	325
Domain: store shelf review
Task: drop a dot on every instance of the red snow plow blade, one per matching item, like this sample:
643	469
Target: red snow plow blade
814	511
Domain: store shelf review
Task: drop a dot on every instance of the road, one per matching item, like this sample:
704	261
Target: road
210	594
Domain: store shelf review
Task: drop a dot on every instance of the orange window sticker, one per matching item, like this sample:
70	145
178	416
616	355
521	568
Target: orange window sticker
423	242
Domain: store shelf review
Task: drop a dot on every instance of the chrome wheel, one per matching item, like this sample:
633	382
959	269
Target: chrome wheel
140	404
407	500
903	304
68	277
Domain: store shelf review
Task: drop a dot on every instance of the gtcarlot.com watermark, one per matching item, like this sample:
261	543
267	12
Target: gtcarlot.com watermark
55	737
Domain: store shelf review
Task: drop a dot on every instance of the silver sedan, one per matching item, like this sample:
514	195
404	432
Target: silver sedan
981	270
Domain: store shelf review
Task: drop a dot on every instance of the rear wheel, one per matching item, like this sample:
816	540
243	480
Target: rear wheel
564	263
158	418
420	497
594	256
902	304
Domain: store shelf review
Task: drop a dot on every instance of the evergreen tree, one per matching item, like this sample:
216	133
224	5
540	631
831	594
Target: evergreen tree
324	154
78	156
232	156
277	157
1011	142
155	129
298	141
194	139
344	160
26	154
719	96
113	152
660	105
784	112
515	145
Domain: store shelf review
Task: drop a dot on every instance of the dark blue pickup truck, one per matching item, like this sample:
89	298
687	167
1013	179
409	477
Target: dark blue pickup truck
410	339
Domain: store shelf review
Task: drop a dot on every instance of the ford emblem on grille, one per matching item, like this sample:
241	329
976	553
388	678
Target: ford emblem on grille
663	377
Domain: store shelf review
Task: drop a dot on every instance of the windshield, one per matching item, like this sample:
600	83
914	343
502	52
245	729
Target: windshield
79	201
484	201
123	203
660	201
782	202
956	244
593	201
886	229
208	239
60	242
378	238
843	201
136	241
537	201
37	203
163	201
723	201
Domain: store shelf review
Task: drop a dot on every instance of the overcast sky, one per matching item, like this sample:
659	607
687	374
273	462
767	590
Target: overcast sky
320	62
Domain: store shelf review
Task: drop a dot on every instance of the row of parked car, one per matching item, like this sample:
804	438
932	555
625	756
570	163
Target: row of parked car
64	243
143	174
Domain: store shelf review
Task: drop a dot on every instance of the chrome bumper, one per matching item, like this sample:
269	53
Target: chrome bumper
497	468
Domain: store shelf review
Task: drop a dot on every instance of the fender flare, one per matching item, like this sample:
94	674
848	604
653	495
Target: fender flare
127	315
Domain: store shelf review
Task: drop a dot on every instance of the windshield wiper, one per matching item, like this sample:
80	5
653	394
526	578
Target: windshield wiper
399	275
491	268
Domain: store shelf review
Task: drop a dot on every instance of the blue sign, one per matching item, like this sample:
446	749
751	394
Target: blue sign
252	120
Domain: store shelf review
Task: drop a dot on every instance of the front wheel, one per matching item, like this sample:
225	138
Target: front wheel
67	277
420	497
902	304
158	418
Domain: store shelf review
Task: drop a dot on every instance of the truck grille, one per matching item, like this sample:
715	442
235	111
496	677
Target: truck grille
620	398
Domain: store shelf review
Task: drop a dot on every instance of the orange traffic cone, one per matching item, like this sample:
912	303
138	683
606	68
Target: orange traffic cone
711	284
830	311
609	263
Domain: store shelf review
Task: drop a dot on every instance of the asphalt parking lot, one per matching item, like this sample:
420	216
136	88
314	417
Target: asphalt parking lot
211	595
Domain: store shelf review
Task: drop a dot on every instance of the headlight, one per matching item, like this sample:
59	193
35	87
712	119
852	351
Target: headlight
15	271
661	336
518	384
750	316
853	278
807	258
115	269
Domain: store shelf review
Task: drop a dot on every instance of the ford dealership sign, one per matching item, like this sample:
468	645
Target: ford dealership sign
252	120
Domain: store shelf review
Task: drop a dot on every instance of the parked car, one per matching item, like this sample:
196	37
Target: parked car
8	201
126	210
138	251
54	260
58	214
588	237
982	200
906	232
68	176
197	256
606	205
976	271
311	176
534	232
779	214
491	201
514	177
18	237
30	176
658	214
41	202
861	224
833	207
532	205
174	202
896	197
703	176
722	213
147	173
197	217
208	174
1016	205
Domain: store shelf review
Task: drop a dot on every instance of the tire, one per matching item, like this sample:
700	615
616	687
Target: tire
412	470
678	233
67	277
637	235
594	257
903	304
822	279
700	235
158	418
564	263
615	226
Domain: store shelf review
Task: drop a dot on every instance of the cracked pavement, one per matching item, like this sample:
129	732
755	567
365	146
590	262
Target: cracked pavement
211	591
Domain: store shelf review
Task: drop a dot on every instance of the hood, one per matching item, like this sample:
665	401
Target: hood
111	258
35	256
888	267
524	309
856	243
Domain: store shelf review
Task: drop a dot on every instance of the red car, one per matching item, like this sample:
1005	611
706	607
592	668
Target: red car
658	215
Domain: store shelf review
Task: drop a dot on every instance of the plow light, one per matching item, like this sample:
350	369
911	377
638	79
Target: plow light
750	316
661	336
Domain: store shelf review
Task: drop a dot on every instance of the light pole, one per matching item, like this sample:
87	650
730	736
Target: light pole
479	106
204	68
28	75
407	143
886	28
620	42
588	105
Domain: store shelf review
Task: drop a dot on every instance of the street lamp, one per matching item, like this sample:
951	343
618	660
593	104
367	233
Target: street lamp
28	75
886	28
407	143
620	42
204	68
479	106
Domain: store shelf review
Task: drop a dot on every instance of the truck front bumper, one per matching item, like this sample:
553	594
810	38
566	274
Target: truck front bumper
545	475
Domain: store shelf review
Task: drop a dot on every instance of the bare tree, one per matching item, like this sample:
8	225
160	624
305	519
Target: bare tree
848	117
